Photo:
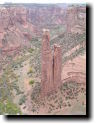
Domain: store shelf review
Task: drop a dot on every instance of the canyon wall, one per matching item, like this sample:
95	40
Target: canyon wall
18	24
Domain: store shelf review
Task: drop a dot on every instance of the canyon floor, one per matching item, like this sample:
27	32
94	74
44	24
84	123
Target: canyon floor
69	99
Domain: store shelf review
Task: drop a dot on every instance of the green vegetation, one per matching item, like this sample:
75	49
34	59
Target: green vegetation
6	104
80	51
30	50
9	108
31	82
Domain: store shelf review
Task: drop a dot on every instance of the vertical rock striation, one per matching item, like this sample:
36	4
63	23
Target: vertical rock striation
51	65
47	64
57	66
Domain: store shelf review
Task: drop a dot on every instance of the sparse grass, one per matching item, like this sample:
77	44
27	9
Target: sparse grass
9	108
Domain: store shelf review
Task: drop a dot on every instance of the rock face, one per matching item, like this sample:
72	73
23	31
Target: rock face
51	66
57	65
47	64
21	15
18	24
77	15
15	30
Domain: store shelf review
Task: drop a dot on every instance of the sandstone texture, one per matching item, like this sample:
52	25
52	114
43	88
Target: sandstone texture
57	66
51	65
30	65
18	24
47	64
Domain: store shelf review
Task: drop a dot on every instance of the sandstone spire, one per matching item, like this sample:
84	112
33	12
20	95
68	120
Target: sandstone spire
57	66
47	64
50	65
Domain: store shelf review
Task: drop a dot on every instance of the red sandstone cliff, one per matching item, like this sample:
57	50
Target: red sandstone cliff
18	24
15	30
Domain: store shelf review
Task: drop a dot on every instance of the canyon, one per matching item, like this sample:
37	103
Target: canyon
25	48
23	23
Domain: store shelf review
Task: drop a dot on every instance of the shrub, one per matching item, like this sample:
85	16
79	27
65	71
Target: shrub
30	50
31	82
